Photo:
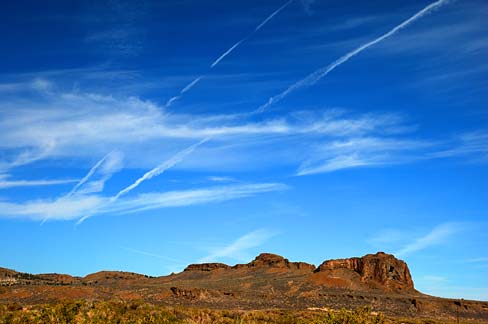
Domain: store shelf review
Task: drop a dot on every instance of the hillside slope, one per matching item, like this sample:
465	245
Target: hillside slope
379	281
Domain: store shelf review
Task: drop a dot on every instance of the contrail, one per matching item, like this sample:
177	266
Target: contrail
159	169
87	176
227	52
185	89
189	86
171	100
277	11
261	25
80	183
178	157
319	74
221	57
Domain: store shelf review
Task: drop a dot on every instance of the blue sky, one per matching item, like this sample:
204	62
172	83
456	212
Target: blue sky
144	136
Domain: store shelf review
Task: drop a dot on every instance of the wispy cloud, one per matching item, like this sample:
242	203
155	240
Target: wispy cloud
319	74
5	183
81	126
467	144
29	154
362	151
79	207
221	179
335	163
149	201
108	165
436	236
64	208
150	254
148	175
237	249
38	84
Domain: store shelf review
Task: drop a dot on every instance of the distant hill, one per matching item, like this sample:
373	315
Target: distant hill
379	281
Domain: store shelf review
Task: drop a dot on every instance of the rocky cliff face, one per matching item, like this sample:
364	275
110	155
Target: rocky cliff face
262	261
266	260
269	281
378	270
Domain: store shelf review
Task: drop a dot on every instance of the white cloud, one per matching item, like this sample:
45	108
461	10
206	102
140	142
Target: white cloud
436	236
80	126
104	169
473	143
334	164
362	151
65	208
4	184
221	179
37	84
148	201
78	207
77	125
238	248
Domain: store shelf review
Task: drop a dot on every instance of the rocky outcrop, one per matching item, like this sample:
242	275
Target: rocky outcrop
269	260
206	267
378	270
264	260
379	281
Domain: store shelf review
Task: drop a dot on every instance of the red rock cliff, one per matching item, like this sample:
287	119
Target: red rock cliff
378	270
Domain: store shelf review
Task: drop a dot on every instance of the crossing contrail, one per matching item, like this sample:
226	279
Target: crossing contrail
178	157
87	176
319	74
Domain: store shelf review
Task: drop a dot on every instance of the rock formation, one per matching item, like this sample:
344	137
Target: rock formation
378	270
379	281
277	261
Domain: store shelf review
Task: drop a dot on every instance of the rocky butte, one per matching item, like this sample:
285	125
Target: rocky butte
379	281
380	271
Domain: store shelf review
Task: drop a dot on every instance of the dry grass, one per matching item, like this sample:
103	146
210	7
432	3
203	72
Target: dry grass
112	312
